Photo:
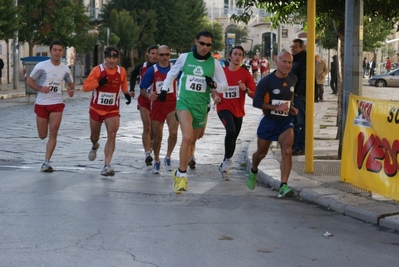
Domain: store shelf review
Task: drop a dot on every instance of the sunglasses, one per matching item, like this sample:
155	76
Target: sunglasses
163	54
203	43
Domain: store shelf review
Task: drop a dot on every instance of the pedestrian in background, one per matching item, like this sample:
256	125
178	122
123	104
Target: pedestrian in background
1	70
364	67
47	78
321	71
334	75
143	103
388	65
274	95
254	63
264	67
105	81
372	67
299	70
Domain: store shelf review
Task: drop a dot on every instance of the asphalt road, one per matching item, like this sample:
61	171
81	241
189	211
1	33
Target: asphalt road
75	217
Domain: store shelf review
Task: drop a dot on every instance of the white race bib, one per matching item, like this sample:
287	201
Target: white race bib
55	87
195	84
277	102
106	99
232	92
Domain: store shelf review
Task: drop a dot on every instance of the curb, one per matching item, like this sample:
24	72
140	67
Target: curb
361	208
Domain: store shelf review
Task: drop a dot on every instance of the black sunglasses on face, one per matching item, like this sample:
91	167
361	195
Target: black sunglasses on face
164	54
203	43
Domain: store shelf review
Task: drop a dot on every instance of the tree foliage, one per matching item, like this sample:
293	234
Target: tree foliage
8	14
217	30
43	21
174	26
330	15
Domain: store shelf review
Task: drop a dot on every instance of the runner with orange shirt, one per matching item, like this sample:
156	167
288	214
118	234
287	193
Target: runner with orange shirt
106	80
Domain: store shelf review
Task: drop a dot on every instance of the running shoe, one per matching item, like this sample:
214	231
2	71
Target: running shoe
180	183
107	171
46	167
156	167
285	191
166	162
224	169
93	153
192	163
148	160
251	180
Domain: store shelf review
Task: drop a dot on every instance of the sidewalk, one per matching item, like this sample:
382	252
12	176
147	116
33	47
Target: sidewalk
321	187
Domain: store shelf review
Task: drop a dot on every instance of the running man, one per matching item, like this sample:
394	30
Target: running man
47	78
230	104
201	73
143	103
274	95
163	106
105	81
264	67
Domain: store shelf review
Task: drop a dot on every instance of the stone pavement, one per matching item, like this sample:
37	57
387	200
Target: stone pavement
323	186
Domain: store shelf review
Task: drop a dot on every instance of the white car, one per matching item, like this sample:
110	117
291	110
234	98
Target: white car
383	80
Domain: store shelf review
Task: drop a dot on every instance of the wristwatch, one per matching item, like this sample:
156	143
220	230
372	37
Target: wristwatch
246	90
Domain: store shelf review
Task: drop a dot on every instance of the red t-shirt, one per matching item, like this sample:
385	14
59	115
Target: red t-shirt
233	99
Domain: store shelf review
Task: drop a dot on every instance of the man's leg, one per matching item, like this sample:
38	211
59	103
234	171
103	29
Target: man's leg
285	141
112	126
157	130
172	139
260	153
321	92
95	129
186	128
173	125
146	135
54	125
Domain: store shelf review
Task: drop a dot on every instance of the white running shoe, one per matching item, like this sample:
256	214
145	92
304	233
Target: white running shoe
93	153
107	171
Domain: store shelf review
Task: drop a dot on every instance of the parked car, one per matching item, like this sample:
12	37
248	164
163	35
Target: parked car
390	79
224	62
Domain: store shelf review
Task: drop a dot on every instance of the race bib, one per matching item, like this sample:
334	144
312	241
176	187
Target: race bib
106	99
232	92
158	86
55	87
279	102
195	84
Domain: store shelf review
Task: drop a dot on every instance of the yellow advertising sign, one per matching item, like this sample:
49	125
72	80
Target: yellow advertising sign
371	146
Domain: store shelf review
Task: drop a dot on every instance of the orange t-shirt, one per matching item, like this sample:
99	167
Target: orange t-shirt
91	84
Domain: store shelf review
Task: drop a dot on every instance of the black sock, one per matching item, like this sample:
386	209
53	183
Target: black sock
182	171
252	170
281	185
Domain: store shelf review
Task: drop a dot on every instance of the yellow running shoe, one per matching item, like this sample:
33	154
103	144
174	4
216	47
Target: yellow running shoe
180	183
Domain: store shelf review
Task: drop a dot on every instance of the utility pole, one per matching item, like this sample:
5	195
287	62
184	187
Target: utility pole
15	57
353	56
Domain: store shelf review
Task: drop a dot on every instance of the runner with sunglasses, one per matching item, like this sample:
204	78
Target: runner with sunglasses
201	73
161	111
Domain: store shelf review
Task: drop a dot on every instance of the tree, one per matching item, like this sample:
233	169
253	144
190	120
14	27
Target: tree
217	30
43	21
175	26
325	10
8	12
